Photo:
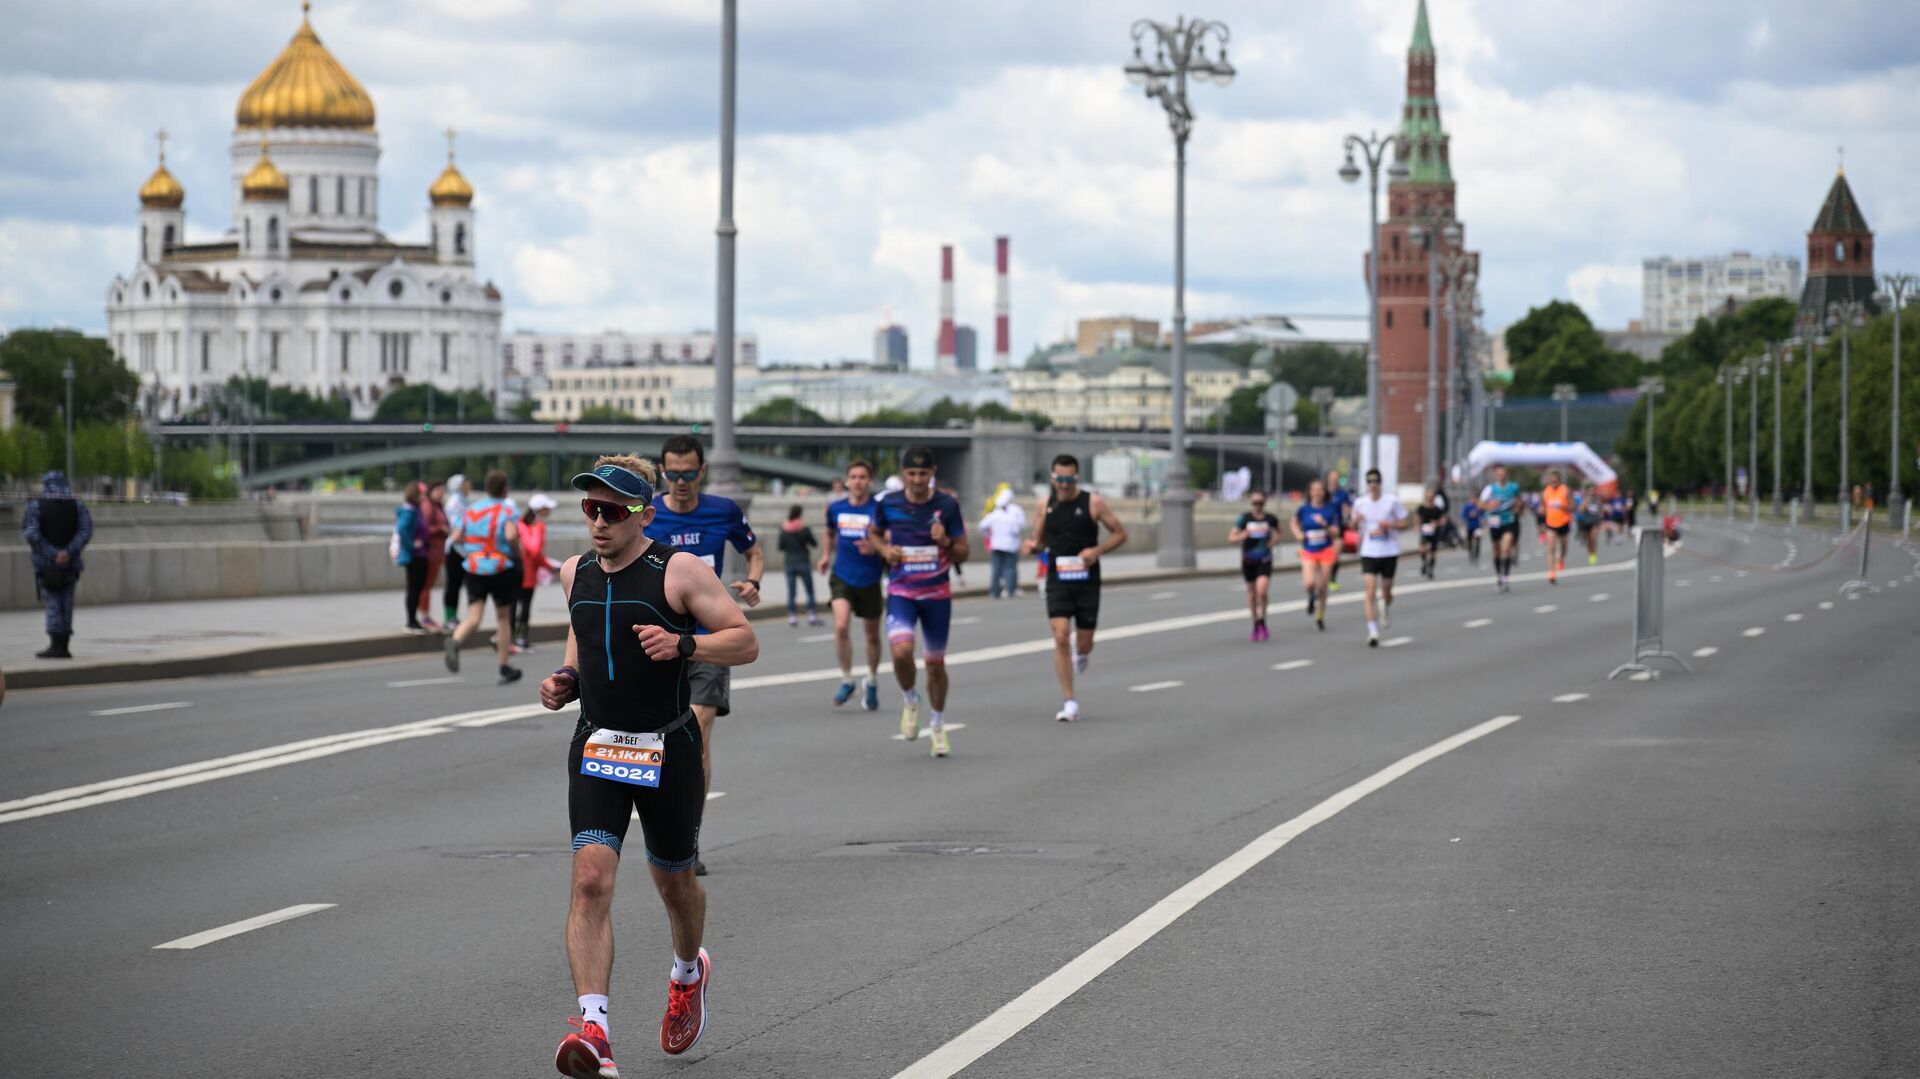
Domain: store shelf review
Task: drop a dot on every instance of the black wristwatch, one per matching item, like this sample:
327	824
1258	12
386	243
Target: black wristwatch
687	645
755	582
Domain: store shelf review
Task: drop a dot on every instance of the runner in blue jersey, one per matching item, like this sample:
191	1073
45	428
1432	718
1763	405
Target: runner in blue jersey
1501	501
704	526
921	534
854	568
1341	500
1316	527
1470	518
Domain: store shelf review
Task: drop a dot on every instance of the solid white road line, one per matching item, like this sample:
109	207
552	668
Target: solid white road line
1704	652
1545	608
1753	631
1163	595
1794	617
1154	687
1293	665
409	683
1569	698
924	731
136	708
1011	1018
1395	642
248	925
711	795
184	775
1476	623
816	638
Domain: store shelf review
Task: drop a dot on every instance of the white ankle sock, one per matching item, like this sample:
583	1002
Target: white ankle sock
912	696
936	720
1373	629
1072	707
593	1008
686	971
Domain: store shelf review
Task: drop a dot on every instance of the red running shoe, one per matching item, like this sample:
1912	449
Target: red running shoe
686	1017
587	1054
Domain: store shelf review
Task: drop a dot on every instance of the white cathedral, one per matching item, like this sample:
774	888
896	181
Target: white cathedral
304	290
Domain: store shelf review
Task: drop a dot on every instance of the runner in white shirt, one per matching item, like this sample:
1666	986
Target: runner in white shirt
1378	519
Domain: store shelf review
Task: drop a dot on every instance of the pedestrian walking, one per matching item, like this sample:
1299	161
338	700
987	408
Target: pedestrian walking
796	549
1004	525
57	527
409	550
455	506
488	539
536	568
434	522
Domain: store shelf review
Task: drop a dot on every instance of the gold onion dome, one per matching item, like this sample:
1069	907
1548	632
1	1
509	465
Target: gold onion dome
266	182
451	189
305	87
162	191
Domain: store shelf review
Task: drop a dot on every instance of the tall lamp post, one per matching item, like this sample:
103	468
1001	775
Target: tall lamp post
1495	399
1759	369
1650	388
1443	247
1180	51
67	373
1730	376
1564	393
723	465
1373	149
1782	355
1894	288
1844	315
1457	275
1808	324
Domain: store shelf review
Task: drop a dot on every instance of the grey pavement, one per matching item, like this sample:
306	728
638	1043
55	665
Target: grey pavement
1708	874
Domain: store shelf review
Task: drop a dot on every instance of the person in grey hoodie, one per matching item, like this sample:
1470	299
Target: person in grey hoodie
456	510
57	527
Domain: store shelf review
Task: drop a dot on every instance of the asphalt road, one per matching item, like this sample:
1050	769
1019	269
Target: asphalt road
1707	874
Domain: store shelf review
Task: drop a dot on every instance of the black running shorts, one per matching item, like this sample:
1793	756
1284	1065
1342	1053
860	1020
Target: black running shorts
599	810
1078	600
1380	567
1252	569
869	602
502	588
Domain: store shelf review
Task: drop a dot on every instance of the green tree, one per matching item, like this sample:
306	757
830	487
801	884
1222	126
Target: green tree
522	410
784	412
1556	343
408	404
1318	364
103	388
605	413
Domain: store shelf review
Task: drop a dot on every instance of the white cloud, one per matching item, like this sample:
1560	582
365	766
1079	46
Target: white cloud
1610	294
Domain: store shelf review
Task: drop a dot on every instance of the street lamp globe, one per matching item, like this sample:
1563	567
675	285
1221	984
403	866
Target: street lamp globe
1398	170
1451	234
1223	72
1138	71
1350	172
1417	235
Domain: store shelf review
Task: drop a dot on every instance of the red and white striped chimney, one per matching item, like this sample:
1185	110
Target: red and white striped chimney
946	357
1002	335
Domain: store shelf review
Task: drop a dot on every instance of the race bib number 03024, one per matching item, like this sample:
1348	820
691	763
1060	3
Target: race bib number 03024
635	757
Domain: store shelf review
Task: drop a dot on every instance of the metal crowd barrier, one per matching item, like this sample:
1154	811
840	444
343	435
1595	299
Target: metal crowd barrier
1649	608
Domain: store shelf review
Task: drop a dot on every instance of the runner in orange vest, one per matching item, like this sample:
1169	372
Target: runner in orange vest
1557	499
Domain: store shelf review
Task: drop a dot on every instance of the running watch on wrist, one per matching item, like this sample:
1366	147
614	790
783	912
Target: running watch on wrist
687	645
755	582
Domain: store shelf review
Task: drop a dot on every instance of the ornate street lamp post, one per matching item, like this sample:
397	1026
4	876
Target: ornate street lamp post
1564	393
1894	288
1650	388
1844	315
1180	51
723	464
1730	376
1373	149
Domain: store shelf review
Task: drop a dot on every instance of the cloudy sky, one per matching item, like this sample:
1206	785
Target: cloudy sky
1585	138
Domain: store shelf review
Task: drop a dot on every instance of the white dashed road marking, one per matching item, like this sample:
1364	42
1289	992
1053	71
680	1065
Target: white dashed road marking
1715	579
1163	595
1753	631
1154	687
1795	617
1702	653
134	708
1293	665
816	638
1476	623
1569	698
234	929
1021	1012
1395	642
1683	583
1545	608
1599	597
1826	605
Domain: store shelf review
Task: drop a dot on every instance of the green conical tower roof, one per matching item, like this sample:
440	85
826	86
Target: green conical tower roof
1841	212
1422	37
1420	125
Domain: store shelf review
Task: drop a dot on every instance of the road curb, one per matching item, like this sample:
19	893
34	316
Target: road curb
389	644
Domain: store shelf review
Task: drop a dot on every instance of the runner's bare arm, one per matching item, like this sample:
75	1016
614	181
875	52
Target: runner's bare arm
1116	532
749	589
692	587
828	546
1039	540
557	690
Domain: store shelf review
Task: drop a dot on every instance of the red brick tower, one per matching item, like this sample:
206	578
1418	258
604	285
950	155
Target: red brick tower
1424	198
1839	253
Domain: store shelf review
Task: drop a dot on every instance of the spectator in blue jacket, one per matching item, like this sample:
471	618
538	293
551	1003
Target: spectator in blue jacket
410	551
57	527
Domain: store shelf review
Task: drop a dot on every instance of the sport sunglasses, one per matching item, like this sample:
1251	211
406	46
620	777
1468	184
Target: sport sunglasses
681	477
611	512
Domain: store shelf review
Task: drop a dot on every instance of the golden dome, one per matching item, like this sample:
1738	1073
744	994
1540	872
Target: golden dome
451	189
305	87
266	182
162	191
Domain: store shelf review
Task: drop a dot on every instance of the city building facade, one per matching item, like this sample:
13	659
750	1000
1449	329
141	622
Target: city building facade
651	391
1115	334
966	349
890	347
304	290
1129	390
1424	198
526	352
1839	254
1676	293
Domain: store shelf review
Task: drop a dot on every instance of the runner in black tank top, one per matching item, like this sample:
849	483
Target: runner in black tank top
1070	534
633	605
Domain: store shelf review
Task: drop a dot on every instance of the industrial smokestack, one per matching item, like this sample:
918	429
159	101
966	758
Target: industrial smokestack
1002	337
946	356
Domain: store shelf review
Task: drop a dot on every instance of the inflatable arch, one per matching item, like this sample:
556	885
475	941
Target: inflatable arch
1575	455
